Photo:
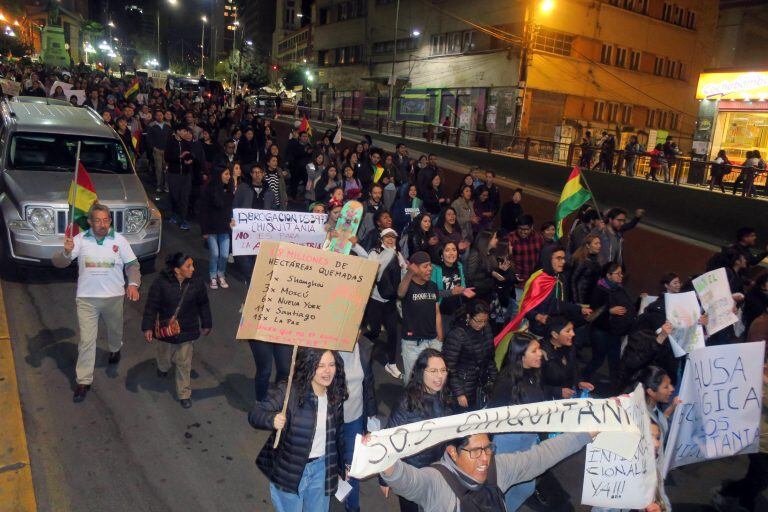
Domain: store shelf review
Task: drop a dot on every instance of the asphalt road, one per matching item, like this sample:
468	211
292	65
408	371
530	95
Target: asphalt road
131	447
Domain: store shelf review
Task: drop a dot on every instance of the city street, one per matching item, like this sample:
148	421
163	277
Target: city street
130	446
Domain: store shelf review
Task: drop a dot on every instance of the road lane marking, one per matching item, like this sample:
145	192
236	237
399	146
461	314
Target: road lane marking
17	492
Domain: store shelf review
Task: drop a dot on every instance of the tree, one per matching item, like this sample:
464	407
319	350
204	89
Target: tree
293	75
253	71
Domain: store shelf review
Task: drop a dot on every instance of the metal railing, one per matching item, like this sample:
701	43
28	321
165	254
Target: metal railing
682	171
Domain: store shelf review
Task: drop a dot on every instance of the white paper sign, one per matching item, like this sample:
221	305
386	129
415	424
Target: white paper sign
387	446
716	299
64	86
253	226
683	313
10	87
645	301
77	93
616	482
722	400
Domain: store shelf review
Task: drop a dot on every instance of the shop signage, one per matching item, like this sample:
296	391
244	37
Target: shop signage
718	86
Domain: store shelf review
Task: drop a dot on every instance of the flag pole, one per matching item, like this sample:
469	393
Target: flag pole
591	194
74	191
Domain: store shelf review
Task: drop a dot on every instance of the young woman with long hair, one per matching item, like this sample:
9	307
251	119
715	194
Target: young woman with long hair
558	369
464	207
658	388
305	468
422	236
216	216
426	397
448	229
484	271
586	269
448	275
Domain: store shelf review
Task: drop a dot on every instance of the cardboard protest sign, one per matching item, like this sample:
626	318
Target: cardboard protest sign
616	482
716	299
387	446
683	313
306	297
77	93
10	87
64	86
254	226
722	399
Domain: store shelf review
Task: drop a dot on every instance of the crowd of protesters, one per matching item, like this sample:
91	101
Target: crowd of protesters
453	265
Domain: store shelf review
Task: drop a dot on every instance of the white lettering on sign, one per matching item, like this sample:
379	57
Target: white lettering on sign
745	82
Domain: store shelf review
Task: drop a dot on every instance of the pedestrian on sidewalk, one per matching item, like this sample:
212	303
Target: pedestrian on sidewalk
177	311
103	257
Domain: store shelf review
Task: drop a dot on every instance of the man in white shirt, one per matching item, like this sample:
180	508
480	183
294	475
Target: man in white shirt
103	257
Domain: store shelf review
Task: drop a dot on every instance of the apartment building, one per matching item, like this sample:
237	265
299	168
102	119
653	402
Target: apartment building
627	66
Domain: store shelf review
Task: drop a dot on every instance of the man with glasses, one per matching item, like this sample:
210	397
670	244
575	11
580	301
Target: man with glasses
104	259
471	477
612	234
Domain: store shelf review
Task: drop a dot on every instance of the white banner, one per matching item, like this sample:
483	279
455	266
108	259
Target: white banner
253	226
716	299
10	87
683	312
616	482
722	399
619	433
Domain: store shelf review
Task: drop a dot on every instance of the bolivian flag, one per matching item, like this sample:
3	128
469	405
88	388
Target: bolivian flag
377	173
537	288
574	195
133	90
305	126
82	200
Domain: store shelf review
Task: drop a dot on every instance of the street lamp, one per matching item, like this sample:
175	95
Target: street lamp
204	19
415	32
547	6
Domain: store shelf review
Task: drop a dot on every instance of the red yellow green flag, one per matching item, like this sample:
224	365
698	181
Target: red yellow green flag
574	195
377	173
82	200
537	288
305	126
133	90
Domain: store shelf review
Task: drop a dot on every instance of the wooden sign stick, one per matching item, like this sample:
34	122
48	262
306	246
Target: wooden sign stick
287	393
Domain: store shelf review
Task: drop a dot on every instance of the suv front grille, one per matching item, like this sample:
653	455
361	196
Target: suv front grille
62	219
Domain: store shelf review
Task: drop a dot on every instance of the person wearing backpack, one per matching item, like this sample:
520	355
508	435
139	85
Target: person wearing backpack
382	306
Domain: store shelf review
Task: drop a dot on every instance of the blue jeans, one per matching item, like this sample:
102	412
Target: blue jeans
411	351
218	250
311	496
351	430
511	443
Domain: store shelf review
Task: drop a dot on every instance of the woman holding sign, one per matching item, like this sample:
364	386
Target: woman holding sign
304	469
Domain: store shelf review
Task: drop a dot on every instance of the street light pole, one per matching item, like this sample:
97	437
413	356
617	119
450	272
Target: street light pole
202	47
394	58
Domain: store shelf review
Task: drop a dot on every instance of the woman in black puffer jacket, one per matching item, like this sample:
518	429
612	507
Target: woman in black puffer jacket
468	351
616	317
176	293
305	468
586	269
426	397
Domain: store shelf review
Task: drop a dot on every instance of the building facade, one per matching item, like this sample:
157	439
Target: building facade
625	66
732	93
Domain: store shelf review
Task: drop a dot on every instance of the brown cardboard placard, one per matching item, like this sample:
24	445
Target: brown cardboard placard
306	297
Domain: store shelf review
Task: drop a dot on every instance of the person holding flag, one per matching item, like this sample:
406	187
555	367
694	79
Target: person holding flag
573	197
104	258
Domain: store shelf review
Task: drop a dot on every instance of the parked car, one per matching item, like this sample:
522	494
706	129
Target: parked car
38	144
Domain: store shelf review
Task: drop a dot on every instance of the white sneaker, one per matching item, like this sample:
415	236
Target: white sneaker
223	282
230	259
393	370
214	284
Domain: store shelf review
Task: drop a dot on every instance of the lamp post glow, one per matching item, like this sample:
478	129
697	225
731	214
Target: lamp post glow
547	6
202	46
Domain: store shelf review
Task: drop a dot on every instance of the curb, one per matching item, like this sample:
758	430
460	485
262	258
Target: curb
17	492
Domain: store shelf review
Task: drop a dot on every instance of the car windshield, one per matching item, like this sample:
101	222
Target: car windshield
54	152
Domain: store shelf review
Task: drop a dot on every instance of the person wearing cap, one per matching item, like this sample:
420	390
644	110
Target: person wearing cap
422	325
382	306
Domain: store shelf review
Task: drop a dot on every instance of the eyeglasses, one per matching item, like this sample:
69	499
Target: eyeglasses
479	322
435	371
474	453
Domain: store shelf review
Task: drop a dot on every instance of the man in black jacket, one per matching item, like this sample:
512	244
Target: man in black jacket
294	155
158	134
180	155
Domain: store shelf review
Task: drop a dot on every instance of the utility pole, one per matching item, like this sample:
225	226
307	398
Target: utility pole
392	74
522	83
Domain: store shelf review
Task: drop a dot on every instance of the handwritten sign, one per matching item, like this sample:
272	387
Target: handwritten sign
254	226
722	399
306	297
716	299
616	482
683	313
10	87
581	415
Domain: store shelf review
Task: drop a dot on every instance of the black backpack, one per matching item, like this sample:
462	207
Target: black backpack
390	280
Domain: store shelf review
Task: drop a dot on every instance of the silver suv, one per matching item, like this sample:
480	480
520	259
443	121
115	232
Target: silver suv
38	143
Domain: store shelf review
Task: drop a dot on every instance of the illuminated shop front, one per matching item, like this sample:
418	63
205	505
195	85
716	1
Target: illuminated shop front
733	114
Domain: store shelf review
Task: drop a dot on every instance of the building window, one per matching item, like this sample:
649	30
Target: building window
662	119
690	21
350	10
679	11
674	119
658	66
621	57
598	110
605	54
666	14
451	43
552	41
650	118
626	114
323	16
634	60
680	71
387	47
613	112
629	4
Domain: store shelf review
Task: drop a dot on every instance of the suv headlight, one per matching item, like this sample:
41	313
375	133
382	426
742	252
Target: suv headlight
41	220
135	218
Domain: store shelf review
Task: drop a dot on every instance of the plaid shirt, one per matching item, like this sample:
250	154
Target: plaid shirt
525	254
